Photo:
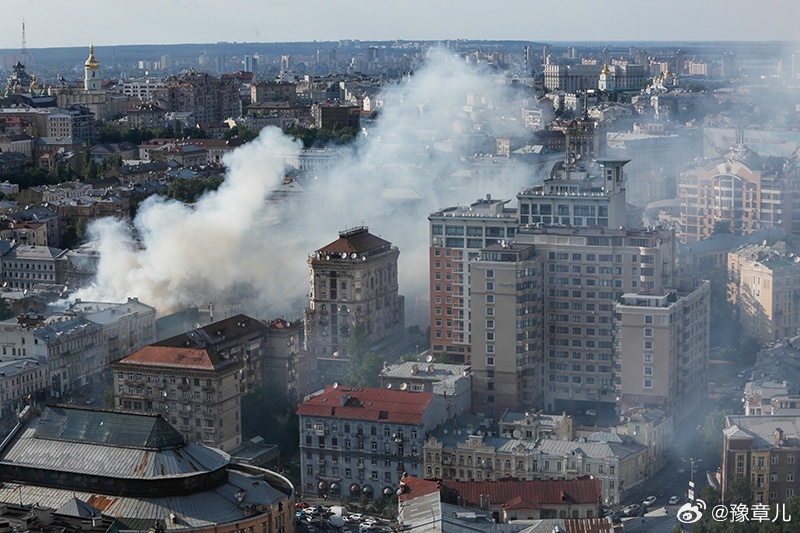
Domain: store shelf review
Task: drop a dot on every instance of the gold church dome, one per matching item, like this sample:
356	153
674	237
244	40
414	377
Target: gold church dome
92	62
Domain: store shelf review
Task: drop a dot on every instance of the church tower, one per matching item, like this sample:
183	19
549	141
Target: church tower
91	80
607	81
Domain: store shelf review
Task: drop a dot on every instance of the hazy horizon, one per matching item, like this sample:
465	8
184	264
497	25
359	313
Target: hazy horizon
51	24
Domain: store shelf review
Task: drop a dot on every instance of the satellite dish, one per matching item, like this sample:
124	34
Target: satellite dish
403	386
429	358
335	385
353	255
344	255
363	257
389	386
517	434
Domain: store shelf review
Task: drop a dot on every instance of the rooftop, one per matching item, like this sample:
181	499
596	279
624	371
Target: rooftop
372	404
357	240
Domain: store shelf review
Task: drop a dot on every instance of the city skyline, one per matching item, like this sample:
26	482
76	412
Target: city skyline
203	22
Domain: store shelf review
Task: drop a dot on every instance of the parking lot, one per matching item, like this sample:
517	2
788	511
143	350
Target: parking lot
320	519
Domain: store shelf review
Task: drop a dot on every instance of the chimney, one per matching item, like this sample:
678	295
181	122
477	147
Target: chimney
779	440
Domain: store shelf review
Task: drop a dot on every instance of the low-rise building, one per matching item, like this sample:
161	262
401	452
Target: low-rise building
139	471
423	504
454	453
196	389
537	425
21	380
763	452
356	441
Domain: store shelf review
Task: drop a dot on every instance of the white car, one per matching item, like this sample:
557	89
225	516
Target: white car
650	500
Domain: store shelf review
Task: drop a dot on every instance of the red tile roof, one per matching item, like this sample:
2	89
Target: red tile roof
414	487
373	404
509	493
357	241
176	357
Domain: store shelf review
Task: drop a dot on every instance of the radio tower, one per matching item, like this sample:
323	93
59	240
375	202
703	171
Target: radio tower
24	50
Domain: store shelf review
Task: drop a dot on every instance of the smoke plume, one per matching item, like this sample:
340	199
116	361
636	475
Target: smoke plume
233	247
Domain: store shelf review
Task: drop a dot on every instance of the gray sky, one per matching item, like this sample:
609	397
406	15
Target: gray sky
52	23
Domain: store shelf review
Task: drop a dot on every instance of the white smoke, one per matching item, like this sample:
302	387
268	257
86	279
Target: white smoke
234	247
198	254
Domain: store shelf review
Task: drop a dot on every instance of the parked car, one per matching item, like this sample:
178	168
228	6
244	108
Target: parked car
632	510
591	412
650	500
674	500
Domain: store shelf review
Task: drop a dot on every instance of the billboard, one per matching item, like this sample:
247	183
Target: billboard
717	141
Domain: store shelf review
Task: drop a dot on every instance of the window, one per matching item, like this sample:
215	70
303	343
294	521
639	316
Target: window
648	384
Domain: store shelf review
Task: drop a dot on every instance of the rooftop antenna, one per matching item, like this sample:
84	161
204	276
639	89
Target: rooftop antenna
24	49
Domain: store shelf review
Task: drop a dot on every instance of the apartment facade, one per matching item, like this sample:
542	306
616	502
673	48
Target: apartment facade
738	193
457	234
585	271
763	451
763	284
360	441
662	348
196	390
240	337
506	291
454	454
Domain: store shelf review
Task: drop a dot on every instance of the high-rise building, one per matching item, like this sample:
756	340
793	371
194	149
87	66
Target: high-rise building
507	326
585	272
211	99
250	63
662	346
573	197
457	234
353	283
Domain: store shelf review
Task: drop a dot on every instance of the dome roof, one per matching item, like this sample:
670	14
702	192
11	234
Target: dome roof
92	62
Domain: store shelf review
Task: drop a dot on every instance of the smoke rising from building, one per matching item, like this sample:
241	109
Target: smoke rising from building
234	248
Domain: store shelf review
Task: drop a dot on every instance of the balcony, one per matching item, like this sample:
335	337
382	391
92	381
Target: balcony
209	429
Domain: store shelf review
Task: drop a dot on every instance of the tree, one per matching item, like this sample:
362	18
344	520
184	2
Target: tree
266	412
711	433
365	366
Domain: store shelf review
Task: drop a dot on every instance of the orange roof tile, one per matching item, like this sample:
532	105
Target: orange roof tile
374	404
176	357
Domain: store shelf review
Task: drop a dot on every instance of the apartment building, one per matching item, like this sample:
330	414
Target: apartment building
739	193
457	234
585	271
662	348
572	197
210	99
453	453
353	282
24	266
763	282
280	366
240	337
196	389
76	123
506	291
762	451
360	441
20	381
